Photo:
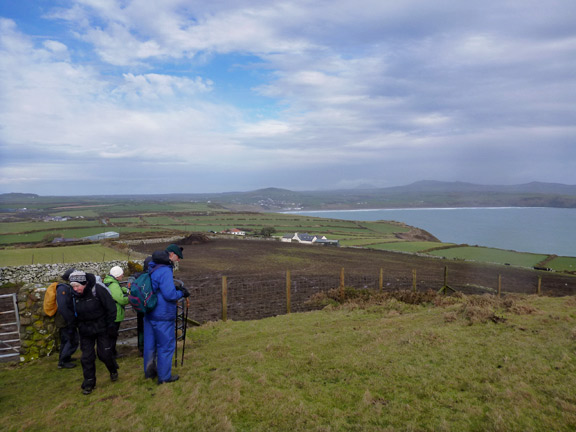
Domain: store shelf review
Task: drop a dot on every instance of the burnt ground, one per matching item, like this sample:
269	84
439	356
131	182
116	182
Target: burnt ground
252	258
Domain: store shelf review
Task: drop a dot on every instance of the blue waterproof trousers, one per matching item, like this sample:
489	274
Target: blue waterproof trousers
69	341
159	347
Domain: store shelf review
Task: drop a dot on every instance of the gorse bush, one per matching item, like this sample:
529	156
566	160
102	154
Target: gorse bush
134	267
472	309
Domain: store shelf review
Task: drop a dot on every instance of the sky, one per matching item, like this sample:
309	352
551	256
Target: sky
187	96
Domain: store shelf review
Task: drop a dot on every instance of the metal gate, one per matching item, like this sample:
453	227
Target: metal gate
9	328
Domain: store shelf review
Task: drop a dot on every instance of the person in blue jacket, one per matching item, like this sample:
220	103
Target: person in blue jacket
160	323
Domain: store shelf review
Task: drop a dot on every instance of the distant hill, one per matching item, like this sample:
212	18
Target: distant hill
420	194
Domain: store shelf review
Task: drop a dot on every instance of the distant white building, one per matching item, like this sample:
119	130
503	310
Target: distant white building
308	239
234	231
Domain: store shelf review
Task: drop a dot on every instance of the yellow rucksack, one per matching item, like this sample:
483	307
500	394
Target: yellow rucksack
50	305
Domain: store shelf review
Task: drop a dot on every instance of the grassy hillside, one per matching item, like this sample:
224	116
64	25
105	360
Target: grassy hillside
448	364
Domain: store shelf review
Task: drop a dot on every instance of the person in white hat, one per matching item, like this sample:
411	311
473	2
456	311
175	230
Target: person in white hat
120	295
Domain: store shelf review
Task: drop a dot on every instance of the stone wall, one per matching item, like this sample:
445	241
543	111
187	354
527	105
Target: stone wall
43	273
38	335
150	241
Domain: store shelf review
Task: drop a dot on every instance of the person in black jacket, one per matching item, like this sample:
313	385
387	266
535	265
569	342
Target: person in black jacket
95	313
65	322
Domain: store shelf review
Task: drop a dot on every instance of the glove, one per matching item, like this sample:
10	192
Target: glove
112	332
185	292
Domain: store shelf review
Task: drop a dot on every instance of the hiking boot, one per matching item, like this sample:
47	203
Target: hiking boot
113	376
171	379
66	365
88	386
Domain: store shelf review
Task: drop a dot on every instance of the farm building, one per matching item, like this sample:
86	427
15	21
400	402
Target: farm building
234	231
102	236
308	239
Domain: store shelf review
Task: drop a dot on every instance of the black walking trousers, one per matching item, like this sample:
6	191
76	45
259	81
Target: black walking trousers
104	350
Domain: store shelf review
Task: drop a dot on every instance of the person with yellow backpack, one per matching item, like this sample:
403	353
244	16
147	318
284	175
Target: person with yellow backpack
57	296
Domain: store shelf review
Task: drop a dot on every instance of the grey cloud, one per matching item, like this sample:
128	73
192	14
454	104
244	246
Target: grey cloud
390	91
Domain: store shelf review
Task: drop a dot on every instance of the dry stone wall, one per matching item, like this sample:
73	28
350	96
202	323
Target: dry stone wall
38	334
42	273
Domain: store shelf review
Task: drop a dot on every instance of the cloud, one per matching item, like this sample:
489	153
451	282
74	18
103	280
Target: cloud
340	91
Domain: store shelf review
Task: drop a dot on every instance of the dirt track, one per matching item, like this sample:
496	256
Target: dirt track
271	258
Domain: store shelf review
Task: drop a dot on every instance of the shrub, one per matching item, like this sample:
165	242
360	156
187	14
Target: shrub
134	267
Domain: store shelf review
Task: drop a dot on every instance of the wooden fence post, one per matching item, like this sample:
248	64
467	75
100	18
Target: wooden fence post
539	291
288	284
342	284
381	282
224	298
446	287
414	280
499	285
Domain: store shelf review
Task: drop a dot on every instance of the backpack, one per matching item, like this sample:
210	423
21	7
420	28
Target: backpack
141	296
102	284
50	305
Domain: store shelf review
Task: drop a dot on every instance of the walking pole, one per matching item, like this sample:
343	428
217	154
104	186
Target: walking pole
185	326
176	338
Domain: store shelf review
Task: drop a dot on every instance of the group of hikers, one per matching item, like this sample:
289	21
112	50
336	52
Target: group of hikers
90	310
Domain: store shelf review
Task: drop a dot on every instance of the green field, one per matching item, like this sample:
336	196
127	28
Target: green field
563	264
133	217
491	255
407	246
31	232
65	254
469	364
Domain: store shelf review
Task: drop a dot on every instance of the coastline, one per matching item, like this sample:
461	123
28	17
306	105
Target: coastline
538	230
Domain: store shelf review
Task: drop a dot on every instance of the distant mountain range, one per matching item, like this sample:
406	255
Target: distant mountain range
420	194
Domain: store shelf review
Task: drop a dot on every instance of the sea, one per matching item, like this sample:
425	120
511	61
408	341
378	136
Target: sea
542	230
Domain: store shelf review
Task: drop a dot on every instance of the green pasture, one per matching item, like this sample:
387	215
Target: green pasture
384	227
562	264
61	254
36	237
22	227
87	213
484	254
40	235
372	234
364	241
406	246
125	220
197	207
161	220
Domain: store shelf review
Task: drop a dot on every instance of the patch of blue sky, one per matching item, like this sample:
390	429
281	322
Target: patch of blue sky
29	16
235	78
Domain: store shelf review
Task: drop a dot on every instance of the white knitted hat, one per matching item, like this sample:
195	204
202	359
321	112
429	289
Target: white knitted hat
116	271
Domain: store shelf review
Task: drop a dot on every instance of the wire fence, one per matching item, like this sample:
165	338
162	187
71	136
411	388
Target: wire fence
247	297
